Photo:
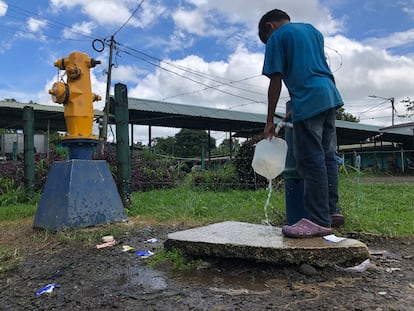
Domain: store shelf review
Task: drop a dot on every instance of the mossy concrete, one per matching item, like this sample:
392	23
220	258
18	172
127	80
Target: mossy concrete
264	244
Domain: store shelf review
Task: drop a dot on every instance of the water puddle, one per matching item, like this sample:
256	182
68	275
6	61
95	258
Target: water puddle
150	280
206	277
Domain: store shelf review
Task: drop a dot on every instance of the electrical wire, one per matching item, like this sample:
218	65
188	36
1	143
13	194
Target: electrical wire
11	29
329	59
210	87
50	22
220	82
127	21
193	80
20	12
227	82
371	108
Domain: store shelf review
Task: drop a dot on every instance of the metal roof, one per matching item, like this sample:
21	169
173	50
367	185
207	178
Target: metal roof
244	124
157	113
11	116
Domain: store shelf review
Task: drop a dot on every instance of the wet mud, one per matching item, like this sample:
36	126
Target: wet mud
110	279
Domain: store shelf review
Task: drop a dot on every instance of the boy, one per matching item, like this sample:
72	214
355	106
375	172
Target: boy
295	54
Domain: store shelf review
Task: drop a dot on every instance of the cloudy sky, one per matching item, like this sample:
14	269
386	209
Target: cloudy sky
206	52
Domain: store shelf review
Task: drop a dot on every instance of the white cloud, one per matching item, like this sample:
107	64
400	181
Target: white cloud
127	73
368	70
229	76
249	12
190	21
3	8
79	29
409	11
113	12
393	40
179	40
150	12
221	84
36	25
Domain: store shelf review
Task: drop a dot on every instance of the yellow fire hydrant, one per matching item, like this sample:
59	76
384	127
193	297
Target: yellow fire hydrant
76	95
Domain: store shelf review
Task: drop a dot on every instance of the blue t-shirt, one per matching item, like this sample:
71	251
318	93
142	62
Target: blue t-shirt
296	50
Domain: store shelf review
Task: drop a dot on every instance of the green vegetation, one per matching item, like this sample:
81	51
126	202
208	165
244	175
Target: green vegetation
223	178
381	208
9	259
17	211
176	258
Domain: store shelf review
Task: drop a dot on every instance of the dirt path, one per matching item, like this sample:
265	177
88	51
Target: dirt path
107	279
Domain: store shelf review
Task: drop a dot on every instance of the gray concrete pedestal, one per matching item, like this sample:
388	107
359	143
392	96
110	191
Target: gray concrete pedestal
264	244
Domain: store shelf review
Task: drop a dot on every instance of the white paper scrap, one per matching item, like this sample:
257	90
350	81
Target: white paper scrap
333	238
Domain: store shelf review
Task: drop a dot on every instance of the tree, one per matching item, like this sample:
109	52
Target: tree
190	143
409	104
164	145
345	116
224	148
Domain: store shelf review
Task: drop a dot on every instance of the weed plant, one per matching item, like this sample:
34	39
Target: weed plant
382	208
9	259
176	258
376	207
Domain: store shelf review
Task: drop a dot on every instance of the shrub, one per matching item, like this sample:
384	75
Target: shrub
149	171
224	178
243	164
153	174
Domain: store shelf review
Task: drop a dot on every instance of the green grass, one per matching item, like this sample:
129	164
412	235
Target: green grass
17	211
185	203
382	208
9	259
385	209
176	258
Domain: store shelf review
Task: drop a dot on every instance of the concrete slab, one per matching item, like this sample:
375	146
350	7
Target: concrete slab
264	244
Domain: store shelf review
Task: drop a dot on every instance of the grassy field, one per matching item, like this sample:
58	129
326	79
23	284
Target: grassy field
383	208
376	207
380	208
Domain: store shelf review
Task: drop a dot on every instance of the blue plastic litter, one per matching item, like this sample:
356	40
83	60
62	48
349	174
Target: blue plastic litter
144	253
47	289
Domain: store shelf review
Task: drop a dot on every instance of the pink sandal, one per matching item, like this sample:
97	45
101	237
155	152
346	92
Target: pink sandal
305	228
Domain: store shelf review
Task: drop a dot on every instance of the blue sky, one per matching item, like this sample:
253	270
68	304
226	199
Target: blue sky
206	52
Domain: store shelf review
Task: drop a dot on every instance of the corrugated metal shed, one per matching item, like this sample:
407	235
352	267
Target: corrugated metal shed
157	113
11	116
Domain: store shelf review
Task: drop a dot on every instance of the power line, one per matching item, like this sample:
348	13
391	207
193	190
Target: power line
221	82
391	99
50	22
230	83
373	107
192	71
191	79
11	29
329	59
25	13
210	87
104	130
127	21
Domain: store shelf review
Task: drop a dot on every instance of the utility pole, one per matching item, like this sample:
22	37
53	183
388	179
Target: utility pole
104	130
391	99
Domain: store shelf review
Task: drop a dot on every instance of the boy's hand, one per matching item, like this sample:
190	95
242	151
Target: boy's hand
269	130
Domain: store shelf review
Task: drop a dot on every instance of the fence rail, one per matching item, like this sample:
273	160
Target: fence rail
394	160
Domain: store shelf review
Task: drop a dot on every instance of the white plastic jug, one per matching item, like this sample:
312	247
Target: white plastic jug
269	157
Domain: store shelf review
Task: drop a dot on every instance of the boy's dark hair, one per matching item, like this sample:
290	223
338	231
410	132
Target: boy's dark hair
271	16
